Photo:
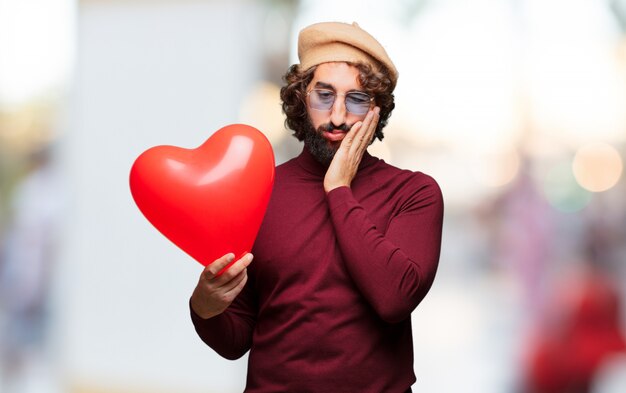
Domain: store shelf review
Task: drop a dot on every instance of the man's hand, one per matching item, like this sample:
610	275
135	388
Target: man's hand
215	291
345	163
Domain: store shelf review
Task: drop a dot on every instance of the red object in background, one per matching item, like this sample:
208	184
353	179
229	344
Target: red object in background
209	201
584	331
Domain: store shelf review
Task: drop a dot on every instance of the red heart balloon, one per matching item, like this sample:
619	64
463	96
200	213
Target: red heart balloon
209	201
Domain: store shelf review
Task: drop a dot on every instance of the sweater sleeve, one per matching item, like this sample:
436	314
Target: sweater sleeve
230	333
393	270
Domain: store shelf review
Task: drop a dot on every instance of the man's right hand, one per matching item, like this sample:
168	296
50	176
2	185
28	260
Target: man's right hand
215	292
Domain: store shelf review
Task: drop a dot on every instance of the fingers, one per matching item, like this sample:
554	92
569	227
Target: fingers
370	124
373	124
219	284
364	134
212	269
235	270
364	130
346	143
215	271
236	285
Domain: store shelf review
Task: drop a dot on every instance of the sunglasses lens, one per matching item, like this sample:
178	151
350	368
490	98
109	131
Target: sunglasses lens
322	99
358	103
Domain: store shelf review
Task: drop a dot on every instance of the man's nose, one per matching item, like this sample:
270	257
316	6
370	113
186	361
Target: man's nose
338	111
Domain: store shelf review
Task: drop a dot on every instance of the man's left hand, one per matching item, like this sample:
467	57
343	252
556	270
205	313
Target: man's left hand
345	163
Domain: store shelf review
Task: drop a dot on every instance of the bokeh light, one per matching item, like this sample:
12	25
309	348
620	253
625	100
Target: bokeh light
597	167
562	190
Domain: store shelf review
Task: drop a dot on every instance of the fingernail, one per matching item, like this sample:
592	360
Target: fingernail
250	257
230	257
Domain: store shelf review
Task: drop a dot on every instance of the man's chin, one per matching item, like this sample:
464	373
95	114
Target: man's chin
323	157
322	150
321	146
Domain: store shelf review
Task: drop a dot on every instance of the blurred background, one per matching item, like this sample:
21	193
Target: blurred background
516	107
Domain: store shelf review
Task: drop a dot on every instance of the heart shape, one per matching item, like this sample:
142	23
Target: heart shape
209	201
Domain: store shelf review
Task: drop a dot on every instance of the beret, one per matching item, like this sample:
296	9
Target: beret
335	41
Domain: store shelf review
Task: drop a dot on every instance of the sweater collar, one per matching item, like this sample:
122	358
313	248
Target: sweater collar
312	166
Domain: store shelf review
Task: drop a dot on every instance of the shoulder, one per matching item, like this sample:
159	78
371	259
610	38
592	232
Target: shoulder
408	187
414	180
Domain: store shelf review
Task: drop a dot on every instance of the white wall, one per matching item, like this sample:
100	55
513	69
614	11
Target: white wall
147	73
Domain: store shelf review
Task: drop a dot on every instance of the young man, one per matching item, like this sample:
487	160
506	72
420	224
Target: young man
349	245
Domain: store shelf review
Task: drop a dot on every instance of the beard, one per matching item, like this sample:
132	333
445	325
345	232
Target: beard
320	148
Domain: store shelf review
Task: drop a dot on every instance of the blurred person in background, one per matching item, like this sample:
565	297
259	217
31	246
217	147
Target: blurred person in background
26	263
349	245
521	231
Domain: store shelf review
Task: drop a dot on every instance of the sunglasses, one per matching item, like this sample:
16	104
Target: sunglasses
357	102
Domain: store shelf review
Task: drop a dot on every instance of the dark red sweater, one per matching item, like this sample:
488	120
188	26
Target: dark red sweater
334	280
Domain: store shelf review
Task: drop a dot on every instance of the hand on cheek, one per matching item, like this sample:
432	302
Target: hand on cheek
345	164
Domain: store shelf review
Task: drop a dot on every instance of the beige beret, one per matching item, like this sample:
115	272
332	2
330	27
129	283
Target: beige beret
335	41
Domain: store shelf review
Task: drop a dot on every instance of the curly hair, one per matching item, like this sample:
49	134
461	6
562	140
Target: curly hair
374	82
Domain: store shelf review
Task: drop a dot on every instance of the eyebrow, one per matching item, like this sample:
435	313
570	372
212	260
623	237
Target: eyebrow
328	86
324	85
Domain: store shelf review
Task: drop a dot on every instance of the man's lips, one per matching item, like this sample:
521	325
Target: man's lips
334	135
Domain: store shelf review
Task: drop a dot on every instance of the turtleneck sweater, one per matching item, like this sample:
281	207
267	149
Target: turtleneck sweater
335	277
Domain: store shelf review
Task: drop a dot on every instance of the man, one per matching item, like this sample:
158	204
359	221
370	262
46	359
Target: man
348	247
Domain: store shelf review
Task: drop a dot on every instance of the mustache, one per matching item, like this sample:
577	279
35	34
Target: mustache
330	126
